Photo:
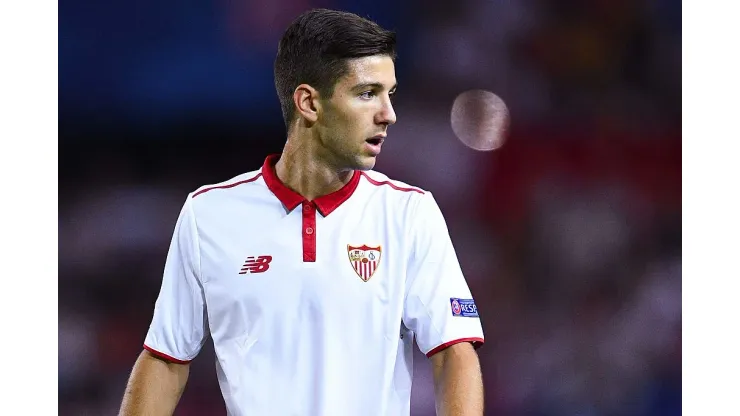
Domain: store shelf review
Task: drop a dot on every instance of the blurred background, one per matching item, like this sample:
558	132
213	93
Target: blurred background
570	234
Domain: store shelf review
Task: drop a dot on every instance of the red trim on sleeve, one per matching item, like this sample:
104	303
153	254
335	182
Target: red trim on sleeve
165	356
231	185
477	342
391	184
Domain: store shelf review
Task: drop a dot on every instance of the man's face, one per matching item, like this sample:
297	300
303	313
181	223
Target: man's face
355	120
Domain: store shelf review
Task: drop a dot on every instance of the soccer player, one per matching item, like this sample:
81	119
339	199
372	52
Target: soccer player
314	274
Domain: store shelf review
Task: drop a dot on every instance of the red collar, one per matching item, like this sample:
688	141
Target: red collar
291	199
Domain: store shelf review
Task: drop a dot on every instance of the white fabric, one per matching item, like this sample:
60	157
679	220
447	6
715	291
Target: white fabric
310	338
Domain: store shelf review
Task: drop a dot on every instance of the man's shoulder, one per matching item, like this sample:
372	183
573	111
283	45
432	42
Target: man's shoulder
237	182
415	201
382	180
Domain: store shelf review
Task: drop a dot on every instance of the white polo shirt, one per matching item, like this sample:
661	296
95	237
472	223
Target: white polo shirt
312	306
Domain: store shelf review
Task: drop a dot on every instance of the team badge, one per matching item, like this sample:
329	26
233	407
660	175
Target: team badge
364	260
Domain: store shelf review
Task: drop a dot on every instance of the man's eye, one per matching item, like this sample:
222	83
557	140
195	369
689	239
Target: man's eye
367	95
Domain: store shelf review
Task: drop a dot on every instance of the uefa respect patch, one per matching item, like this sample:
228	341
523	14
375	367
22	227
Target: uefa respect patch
464	307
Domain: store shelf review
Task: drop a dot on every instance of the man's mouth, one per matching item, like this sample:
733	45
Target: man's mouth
374	144
377	139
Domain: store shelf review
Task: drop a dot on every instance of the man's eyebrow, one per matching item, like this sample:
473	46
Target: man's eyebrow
376	85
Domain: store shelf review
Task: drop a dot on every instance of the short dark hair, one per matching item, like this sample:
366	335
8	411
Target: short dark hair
315	48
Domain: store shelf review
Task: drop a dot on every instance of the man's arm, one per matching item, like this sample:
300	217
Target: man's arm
458	384
155	386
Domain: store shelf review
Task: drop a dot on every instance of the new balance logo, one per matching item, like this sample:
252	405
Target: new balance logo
256	264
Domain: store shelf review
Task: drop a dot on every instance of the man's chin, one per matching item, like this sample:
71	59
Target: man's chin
365	162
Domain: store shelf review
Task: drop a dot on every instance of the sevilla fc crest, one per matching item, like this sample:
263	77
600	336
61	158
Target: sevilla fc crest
365	260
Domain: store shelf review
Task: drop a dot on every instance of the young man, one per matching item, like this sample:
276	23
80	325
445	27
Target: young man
314	274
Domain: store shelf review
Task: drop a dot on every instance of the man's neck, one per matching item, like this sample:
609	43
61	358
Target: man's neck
306	171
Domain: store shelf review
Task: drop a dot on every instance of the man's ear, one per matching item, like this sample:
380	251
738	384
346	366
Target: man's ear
306	101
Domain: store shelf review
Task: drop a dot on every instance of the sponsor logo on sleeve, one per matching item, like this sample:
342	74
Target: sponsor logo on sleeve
464	307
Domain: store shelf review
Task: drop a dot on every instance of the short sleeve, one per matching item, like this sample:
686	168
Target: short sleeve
178	327
439	307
